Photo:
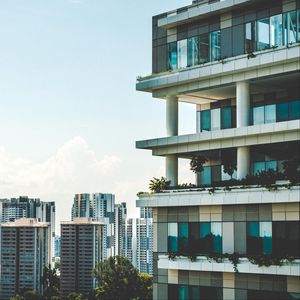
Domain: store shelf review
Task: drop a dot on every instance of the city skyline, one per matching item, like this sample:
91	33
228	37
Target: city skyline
63	130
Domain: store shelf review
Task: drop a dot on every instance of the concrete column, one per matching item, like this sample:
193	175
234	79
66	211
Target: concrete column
243	162
172	130
242	103
242	120
172	115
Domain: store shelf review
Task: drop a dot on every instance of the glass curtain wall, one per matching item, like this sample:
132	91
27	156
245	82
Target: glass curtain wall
172	238
276	31
259	238
193	51
290	27
172	55
250	37
182	54
215	41
204	48
263	34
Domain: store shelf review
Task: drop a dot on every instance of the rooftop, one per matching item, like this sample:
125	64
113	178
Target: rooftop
82	221
26	222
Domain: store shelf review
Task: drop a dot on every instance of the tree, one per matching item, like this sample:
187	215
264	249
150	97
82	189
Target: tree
145	286
229	162
118	279
17	297
51	283
76	296
158	184
196	164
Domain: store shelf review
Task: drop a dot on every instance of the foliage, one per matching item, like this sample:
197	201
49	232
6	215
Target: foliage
157	185
118	279
192	257
229	162
17	297
57	265
291	169
172	256
211	190
76	296
31	295
145	286
51	283
196	164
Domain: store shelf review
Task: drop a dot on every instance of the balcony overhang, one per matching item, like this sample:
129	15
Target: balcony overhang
200	11
227	138
267	63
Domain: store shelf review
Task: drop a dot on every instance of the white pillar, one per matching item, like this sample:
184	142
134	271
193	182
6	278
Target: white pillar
242	120
242	103
172	130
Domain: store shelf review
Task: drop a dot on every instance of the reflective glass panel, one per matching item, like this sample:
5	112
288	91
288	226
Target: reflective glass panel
293	238
254	244
290	27
204	48
215	119
205	175
263	34
215	37
276	30
172	55
265	232
226	117
216	173
282	112
294	113
271	165
216	230
195	292
183	238
194	234
270	113
172	238
206	238
182	54
259	166
205	120
250	37
258	115
183	292
298	25
193	51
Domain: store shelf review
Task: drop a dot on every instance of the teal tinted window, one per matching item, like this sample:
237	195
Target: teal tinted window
298	25
193	51
258	115
206	238
215	119
254	245
216	172
194	234
263	34
265	232
172	55
270	113
183	238
172	238
182	57
205	120
215	38
276	31
294	110
216	231
226	117
205	176
204	48
195	293
271	165
258	167
183	292
282	112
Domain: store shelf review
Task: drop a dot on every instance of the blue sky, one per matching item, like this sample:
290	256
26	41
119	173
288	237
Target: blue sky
69	113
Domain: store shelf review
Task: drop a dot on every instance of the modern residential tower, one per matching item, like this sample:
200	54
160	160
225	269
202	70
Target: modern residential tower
238	63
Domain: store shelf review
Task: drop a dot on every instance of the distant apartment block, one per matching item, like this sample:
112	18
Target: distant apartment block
24	207
120	228
25	251
81	250
99	207
57	246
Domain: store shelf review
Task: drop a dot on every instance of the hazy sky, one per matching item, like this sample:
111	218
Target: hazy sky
69	114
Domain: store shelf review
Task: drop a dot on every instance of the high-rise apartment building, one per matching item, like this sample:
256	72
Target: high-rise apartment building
24	207
81	250
57	246
25	251
238	63
99	207
120	228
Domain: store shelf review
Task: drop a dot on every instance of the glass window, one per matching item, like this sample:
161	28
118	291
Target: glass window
172	55
205	176
216	230
226	115
258	166
193	51
271	165
205	120
258	115
250	37
276	30
290	27
172	238
293	236
298	25
270	113
282	112
182	54
194	234
183	292
183	238
263	34
215	119
215	37
198	121
254	244
216	173
194	293
265	232
204	48
294	110
206	238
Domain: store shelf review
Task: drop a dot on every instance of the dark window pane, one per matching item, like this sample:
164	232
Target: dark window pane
195	293
183	292
226	118
293	238
279	238
204	48
172	55
254	243
206	238
294	110
183	238
194	234
173	291
211	293
282	112
205	176
172	238
205	120
215	42
265	233
216	173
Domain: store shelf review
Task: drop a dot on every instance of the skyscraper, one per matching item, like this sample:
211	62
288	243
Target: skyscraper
25	251
238	63
81	250
120	228
99	207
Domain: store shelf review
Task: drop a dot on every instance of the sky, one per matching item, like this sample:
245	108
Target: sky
69	114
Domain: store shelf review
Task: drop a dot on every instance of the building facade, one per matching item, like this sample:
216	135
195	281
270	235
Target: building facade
99	207
25	251
24	207
238	63
120	228
81	250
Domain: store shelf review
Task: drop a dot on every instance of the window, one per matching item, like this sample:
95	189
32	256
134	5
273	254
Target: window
205	176
265	233
182	54
172	55
258	115
183	238
276	30
216	173
216	231
172	238
193	51
290	27
204	48
263	30
194	234
250	37
270	113
183	292
259	238
205	120
298	25
260	166
226	115
215	119
215	45
294	110
282	112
